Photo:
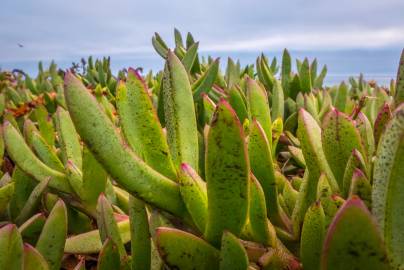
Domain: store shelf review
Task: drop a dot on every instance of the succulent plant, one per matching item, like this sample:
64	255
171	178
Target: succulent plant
256	167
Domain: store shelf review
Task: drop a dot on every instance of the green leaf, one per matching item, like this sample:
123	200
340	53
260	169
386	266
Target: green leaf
383	117
32	203
399	89
286	71
33	260
21	154
107	225
237	102
159	45
353	240
45	152
32	228
6	194
206	81
94	178
109	256
180	119
178	38
354	161
193	192
232	74
305	76
51	242
339	138
140	235
68	138
259	107
141	126
262	166
261	228
277	101
11	249
309	135
366	132
227	174
361	187
318	83
182	250
387	194
311	241
45	124
341	97
90	242
232	253
190	56
101	137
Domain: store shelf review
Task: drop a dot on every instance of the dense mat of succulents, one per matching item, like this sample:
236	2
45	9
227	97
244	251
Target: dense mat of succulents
255	167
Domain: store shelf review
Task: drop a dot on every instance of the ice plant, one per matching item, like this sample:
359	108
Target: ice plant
192	167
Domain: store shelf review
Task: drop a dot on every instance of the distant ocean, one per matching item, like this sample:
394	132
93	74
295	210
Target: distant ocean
379	65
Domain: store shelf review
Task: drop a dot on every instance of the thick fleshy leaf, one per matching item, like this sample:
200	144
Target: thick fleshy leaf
259	107
45	152
29	163
51	242
383	117
354	161
107	224
190	56
286	71
309	135
289	195
361	187
6	194
399	95
366	132
182	250
109	256
31	229
94	178
232	253
311	241
69	141
305	76
32	203
140	235
339	138
101	137
193	192
159	45
353	240
237	102
90	242
207	108
227	174
262	166
387	193
180	119
277	101
205	82
141	126
33	260
261	228
341	97
11	249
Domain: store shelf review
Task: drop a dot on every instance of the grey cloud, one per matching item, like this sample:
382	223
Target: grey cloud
62	29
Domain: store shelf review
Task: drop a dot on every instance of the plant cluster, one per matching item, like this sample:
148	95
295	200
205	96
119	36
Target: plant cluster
255	167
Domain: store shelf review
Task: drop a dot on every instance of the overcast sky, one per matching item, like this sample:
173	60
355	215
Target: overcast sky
55	29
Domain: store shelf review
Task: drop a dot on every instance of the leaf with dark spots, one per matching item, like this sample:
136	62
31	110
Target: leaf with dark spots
353	240
182	250
227	174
